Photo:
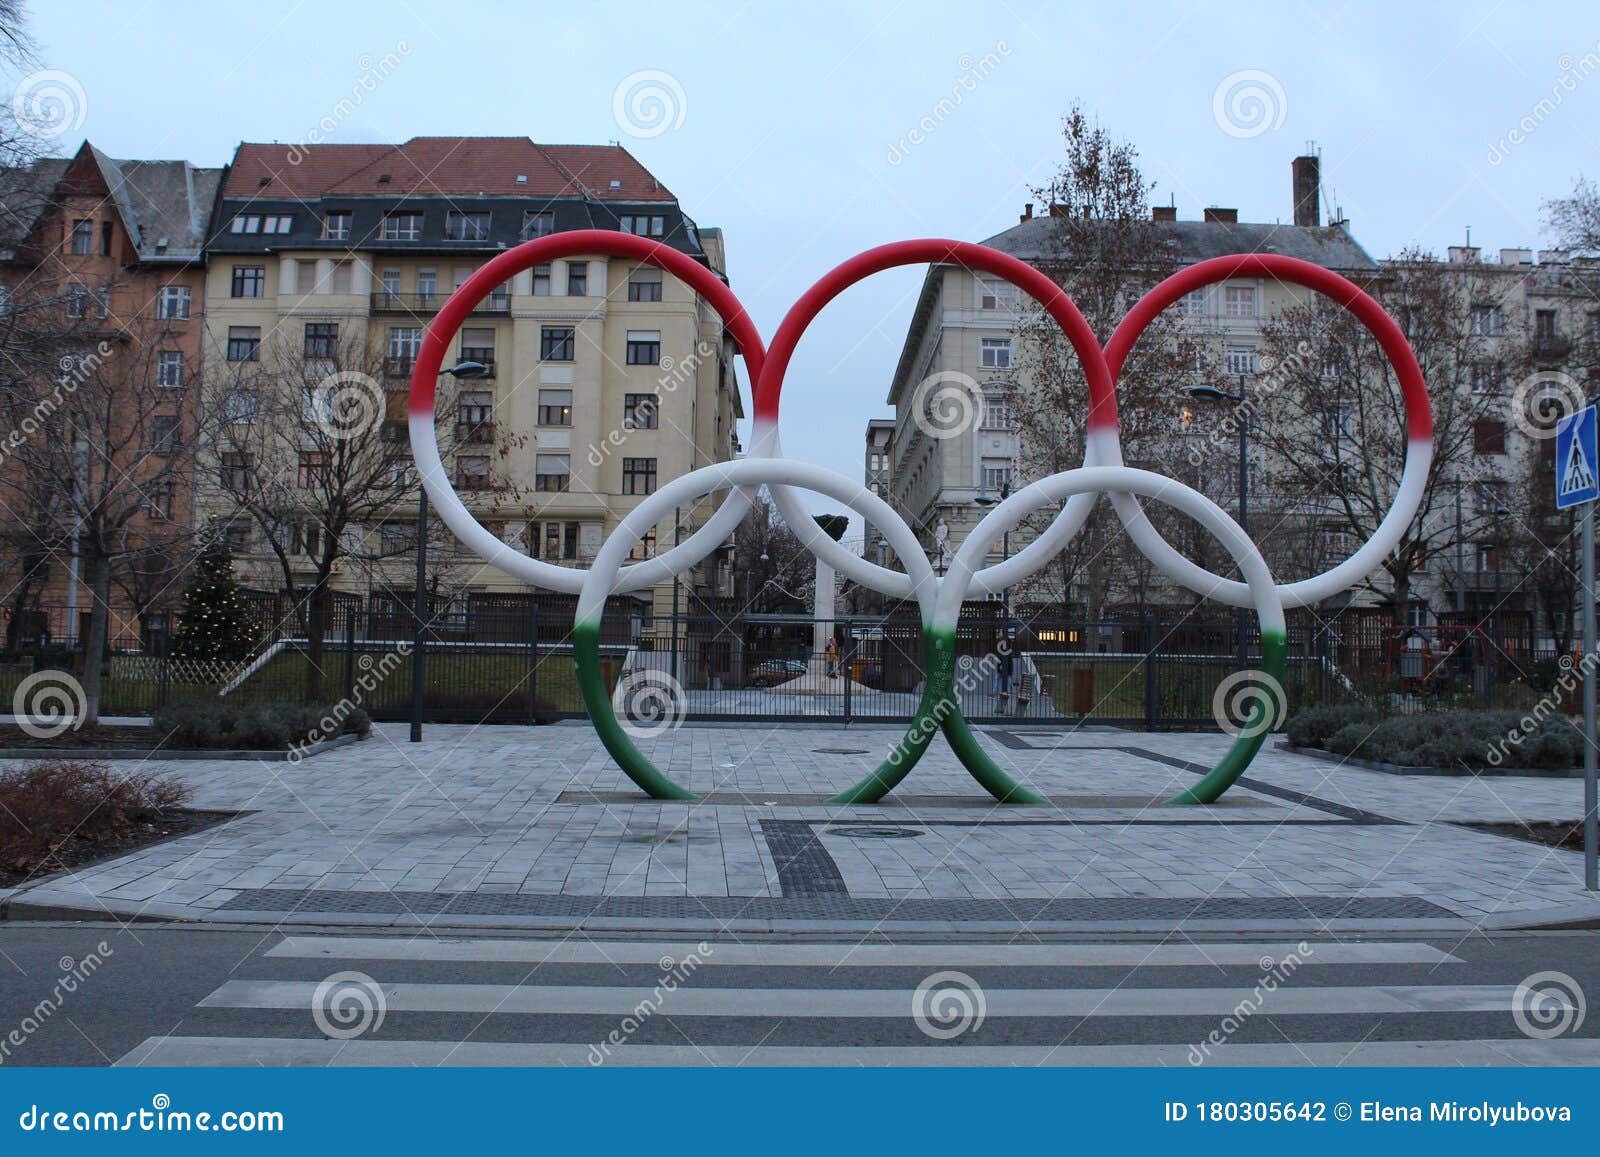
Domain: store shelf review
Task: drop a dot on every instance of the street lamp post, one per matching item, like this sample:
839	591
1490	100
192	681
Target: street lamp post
1241	616
420	611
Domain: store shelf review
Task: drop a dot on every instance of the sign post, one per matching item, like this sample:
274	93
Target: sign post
1577	463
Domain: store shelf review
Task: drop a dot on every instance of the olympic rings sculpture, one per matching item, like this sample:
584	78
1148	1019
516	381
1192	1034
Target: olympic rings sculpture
938	597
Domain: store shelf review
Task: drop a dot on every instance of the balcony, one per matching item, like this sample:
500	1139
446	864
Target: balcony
481	433
1549	347
422	305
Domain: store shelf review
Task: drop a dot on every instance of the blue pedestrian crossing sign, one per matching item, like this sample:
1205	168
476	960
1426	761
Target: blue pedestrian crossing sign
1577	459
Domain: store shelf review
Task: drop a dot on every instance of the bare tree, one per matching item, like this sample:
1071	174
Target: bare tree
101	455
1333	421
314	451
1101	246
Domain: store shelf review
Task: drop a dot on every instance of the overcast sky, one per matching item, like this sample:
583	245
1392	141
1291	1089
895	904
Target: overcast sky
792	129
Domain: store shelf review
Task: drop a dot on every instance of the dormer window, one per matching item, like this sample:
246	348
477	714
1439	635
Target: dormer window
643	226
537	224
336	226
246	223
402	227
460	226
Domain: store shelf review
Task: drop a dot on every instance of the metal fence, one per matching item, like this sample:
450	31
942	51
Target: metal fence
508	658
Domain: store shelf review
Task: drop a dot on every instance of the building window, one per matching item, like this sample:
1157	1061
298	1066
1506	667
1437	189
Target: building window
397	537
996	475
105	239
1333	423
644	226
313	468
169	369
472	473
1489	437
541	281
537	224
555	343
475	416
77	300
997	294
389	285
235	471
306	537
995	353
240	406
279	225
1544	328
401	227
1239	301
1486	321
996	415
465	226
577	279
641	412
552	472
244	343
322	339
404	343
555	541
1487	377
341	277
477	345
638	475
83	237
644	284
1489	497
555	407
644	347
165	433
645	547
238	536
173	303
427	286
336	226
245	223
161	495
1238	361
249	281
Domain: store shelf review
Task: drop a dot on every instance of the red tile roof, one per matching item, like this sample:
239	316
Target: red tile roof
442	166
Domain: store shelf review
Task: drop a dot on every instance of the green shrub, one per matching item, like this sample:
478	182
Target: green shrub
212	724
1311	728
1464	739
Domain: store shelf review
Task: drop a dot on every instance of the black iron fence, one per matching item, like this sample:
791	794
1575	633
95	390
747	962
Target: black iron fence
508	658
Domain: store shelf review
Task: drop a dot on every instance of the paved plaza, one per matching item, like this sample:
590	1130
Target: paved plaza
535	827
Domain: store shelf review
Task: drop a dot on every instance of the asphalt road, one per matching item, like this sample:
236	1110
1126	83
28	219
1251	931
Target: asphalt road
76	994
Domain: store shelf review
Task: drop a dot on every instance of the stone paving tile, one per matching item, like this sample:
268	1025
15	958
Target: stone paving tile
475	809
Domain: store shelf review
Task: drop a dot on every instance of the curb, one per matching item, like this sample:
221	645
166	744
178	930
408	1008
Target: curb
1453	772
186	753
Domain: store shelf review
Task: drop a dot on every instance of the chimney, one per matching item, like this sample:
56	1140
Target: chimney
1307	199
1222	216
1027	212
1163	213
1058	210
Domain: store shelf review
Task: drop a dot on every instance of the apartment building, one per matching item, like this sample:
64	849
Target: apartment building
603	378
102	257
965	331
877	466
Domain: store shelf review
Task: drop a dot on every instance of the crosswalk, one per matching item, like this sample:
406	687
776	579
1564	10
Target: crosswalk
432	1001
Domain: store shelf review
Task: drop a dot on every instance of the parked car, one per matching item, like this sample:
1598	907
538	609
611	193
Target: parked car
775	671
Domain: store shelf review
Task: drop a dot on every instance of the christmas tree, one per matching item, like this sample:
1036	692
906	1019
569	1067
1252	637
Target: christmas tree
213	624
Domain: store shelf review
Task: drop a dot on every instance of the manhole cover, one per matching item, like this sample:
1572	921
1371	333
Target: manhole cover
840	750
868	833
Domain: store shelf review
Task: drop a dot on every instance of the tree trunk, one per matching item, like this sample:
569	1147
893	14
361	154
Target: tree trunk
94	650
